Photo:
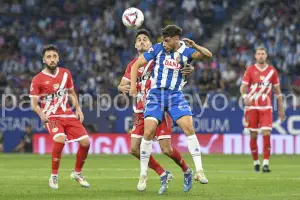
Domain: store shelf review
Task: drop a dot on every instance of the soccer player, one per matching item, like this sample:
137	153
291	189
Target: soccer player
256	90
51	88
165	93
164	130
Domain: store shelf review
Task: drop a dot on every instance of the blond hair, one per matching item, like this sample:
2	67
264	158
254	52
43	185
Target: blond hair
261	48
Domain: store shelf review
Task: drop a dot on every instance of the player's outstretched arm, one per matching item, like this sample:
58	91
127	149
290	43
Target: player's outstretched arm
74	100
37	109
201	52
278	95
141	61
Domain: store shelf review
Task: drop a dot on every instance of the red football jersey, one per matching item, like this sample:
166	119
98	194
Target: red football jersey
143	83
52	91
260	83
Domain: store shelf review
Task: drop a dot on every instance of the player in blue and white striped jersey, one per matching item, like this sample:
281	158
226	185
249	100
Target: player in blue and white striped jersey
165	94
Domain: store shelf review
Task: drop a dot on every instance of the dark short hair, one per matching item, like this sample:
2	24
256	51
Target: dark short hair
144	32
49	47
171	31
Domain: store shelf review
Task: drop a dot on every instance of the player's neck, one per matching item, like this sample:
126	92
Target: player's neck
261	66
177	46
49	71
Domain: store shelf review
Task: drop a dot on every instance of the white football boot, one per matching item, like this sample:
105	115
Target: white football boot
53	181
200	176
141	186
80	179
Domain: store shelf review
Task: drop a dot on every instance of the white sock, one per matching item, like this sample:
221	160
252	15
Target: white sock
265	162
145	152
256	162
194	149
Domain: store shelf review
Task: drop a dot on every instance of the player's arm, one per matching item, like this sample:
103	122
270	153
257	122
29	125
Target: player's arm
201	52
34	100
124	86
37	109
244	87
141	61
278	95
74	101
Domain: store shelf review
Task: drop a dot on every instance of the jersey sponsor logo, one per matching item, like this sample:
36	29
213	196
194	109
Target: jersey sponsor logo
146	76
171	64
56	86
59	93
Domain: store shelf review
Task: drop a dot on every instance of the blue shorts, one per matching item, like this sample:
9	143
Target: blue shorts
173	102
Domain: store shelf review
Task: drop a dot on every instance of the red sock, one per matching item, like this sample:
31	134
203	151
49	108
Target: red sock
81	156
253	147
153	164
178	159
267	147
56	156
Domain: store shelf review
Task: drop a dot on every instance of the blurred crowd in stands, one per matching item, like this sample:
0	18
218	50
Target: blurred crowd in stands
96	46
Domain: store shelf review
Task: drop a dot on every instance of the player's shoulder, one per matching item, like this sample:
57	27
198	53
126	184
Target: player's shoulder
270	67
132	62
63	69
39	76
156	47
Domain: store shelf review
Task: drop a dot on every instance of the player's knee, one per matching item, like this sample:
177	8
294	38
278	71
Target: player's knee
149	133
85	142
266	132
60	139
167	150
188	130
134	151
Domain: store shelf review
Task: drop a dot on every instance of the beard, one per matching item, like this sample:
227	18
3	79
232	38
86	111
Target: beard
51	67
261	61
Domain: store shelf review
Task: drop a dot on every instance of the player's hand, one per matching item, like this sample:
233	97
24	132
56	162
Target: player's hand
188	69
281	115
189	42
133	91
44	118
124	88
79	115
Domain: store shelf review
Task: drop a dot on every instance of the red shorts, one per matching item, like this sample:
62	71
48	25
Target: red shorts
71	127
256	119
164	130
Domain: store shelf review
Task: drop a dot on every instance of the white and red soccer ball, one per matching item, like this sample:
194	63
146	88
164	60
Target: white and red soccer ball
133	18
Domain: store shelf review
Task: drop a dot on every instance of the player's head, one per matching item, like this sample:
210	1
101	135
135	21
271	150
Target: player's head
50	56
171	35
261	55
142	40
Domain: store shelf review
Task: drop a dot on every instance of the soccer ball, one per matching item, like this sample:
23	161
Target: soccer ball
133	18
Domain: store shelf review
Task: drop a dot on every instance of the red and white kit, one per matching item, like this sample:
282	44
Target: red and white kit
52	91
164	130
260	83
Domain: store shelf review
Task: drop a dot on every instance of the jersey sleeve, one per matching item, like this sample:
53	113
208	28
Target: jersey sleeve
275	78
35	88
70	84
189	52
127	73
152	52
247	77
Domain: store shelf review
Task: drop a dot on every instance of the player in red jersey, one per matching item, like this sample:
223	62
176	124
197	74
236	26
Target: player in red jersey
51	88
163	133
256	90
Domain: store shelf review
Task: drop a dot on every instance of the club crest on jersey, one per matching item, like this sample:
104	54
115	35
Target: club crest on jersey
47	82
262	77
171	64
54	129
178	59
55	86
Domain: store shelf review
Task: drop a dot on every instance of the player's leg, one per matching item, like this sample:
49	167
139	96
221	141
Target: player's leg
181	113
153	115
163	134
136	139
56	130
251	123
266	119
77	133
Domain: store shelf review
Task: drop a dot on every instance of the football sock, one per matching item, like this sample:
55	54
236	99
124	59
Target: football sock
194	149
56	156
253	147
153	164
145	152
178	160
267	149
81	156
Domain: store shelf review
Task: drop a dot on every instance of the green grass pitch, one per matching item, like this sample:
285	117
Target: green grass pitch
115	177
